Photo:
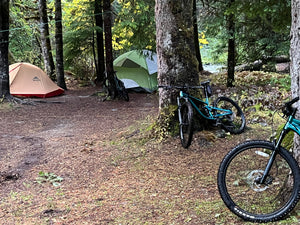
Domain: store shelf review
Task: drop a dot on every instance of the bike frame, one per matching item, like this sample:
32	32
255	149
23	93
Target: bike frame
291	124
218	112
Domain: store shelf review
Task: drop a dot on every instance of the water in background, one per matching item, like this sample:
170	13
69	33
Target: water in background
213	68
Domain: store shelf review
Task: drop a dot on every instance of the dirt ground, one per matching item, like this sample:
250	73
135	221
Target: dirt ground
74	159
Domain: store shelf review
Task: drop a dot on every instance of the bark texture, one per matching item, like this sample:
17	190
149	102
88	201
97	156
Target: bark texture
108	48
60	75
100	63
45	40
177	63
4	39
295	65
231	47
196	37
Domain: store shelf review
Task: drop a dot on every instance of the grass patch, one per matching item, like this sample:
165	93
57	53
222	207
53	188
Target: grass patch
6	106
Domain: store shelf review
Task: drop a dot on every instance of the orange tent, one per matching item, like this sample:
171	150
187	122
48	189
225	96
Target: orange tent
28	80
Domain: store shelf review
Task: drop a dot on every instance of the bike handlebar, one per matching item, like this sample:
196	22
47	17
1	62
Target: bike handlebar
288	110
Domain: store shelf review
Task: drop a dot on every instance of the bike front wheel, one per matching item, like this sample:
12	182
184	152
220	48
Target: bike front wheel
234	122
185	114
238	182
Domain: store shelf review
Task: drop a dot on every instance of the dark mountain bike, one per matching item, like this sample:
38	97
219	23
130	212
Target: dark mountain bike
259	180
122	93
224	111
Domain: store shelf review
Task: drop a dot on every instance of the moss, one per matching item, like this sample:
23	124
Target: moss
175	7
167	123
288	140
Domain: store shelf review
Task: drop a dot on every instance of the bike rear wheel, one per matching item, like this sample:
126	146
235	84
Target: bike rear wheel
122	92
239	172
234	123
185	124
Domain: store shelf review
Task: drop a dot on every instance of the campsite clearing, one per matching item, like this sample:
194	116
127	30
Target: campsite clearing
74	159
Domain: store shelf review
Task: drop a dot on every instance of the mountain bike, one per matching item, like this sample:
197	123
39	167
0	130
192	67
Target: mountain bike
224	111
120	87
259	180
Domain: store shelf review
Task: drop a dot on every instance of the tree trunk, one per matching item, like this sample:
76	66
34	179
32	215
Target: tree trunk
231	47
196	37
177	64
108	48
60	75
295	65
100	63
45	40
4	40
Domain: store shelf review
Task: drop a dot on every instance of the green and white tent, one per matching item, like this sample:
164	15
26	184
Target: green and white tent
138	70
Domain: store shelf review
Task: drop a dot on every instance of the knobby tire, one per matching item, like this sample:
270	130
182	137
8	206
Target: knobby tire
186	126
122	92
266	202
234	123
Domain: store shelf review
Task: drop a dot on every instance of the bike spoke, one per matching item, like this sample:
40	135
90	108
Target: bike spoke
242	176
235	121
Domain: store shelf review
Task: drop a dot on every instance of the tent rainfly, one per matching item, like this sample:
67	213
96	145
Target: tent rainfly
137	70
27	80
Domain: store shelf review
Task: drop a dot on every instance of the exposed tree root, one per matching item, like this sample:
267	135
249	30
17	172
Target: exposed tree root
15	100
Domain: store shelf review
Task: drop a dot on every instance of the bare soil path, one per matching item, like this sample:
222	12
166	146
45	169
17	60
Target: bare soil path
110	175
61	135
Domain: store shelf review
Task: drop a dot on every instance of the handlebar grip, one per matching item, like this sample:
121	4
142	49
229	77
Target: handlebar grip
290	103
289	110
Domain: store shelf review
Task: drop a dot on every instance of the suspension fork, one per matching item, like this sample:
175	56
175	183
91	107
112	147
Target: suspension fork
277	144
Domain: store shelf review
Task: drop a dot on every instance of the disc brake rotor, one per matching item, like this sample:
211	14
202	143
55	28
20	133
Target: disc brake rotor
252	177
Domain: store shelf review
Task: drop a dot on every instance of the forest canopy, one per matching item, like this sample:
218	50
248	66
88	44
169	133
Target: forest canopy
261	30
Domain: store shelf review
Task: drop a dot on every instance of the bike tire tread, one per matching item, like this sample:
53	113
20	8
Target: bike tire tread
271	217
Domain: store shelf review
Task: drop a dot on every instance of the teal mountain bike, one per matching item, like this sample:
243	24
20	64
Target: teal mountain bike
224	111
259	180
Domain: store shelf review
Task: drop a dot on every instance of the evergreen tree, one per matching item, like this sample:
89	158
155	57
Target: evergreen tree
231	46
177	63
4	40
45	40
295	65
100	60
108	48
60	75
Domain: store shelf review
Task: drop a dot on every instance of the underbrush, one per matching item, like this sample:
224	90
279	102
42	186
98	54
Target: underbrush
182	182
133	177
259	94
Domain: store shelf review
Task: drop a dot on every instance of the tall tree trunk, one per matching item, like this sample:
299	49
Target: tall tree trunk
4	39
60	75
231	47
108	48
100	63
177	64
196	36
45	40
295	65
